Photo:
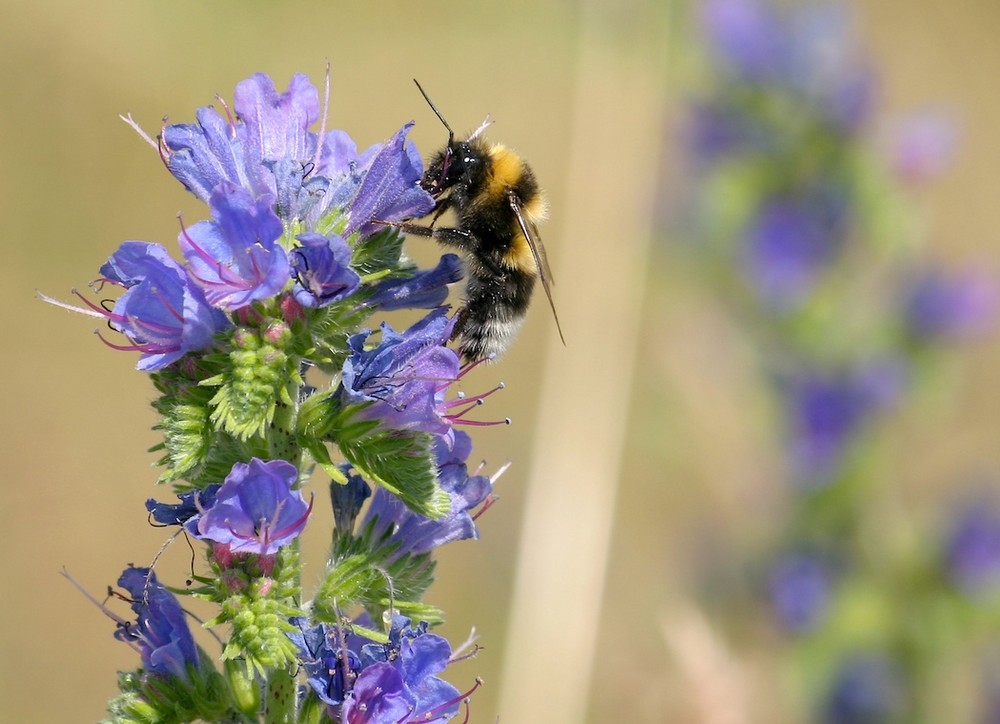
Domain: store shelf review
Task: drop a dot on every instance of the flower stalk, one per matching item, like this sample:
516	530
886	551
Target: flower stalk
297	253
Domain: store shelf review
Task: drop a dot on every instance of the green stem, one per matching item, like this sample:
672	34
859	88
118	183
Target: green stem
280	702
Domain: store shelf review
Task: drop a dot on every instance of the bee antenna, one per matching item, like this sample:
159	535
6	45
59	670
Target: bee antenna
451	133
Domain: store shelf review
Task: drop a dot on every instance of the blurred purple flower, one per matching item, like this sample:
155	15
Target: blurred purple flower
256	510
867	688
942	305
972	548
235	257
826	411
922	145
160	631
799	586
806	50
790	241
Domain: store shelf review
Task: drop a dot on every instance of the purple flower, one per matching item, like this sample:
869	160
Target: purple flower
267	149
868	687
972	549
426	289
192	503
256	510
162	313
799	585
950	305
416	656
390	190
326	673
321	266
402	381
234	257
807	51
160	631
826	411
790	240
392	682
747	37
922	145
414	533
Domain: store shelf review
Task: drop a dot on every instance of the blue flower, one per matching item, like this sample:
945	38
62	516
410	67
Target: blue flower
390	190
160	630
790	240
867	688
416	656
806	51
234	257
327	673
255	510
267	149
800	587
826	411
321	266
392	682
162	313
426	289
955	305
972	548
414	533
402	381
192	503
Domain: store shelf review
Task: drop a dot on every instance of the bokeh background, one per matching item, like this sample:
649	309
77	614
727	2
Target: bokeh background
632	446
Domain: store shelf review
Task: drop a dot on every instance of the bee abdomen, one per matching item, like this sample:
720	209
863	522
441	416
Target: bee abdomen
493	313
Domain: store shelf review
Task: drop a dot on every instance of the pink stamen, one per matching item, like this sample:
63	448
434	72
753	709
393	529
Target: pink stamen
229	114
143	347
228	280
298	522
440	709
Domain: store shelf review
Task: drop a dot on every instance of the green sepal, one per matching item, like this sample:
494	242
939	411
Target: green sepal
148	697
402	463
380	252
365	570
244	687
312	710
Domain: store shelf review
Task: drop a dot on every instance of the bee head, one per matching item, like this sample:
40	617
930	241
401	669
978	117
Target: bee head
459	161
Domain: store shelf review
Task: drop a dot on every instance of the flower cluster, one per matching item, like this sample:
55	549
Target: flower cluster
297	252
799	217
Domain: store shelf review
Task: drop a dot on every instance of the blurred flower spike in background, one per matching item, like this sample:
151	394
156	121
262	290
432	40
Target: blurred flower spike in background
800	214
292	261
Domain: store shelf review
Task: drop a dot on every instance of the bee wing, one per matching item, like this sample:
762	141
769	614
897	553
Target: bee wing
538	252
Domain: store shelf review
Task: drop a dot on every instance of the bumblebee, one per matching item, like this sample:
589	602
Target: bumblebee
497	203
